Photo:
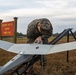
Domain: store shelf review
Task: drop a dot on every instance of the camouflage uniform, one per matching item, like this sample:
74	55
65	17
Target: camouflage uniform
45	32
33	32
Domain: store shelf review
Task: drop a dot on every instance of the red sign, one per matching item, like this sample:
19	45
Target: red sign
7	28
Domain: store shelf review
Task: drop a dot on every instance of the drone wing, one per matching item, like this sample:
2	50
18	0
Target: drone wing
5	45
39	49
62	47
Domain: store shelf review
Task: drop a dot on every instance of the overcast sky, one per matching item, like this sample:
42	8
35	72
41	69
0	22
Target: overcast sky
61	13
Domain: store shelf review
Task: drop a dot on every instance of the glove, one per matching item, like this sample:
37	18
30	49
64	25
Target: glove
38	40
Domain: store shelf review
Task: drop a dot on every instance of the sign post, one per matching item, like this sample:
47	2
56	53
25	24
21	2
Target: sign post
15	29
0	29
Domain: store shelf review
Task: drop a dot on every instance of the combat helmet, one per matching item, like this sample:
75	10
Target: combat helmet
46	26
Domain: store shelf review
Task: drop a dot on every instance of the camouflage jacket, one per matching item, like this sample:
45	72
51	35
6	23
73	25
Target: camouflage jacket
33	33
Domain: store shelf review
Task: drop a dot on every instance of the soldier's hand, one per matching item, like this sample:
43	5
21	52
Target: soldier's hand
38	40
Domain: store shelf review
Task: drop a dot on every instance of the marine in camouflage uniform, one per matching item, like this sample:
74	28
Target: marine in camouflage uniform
45	32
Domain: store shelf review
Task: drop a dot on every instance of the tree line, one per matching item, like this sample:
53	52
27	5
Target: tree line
55	34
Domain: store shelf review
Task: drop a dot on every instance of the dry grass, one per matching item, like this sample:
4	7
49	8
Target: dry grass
56	63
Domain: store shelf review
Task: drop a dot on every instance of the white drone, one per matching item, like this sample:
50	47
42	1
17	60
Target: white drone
26	51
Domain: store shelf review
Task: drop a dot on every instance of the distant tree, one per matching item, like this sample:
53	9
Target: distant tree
55	34
19	34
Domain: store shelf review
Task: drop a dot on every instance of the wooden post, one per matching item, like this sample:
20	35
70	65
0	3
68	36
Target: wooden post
15	29
0	29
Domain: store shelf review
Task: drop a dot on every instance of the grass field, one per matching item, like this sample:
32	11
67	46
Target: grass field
56	63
